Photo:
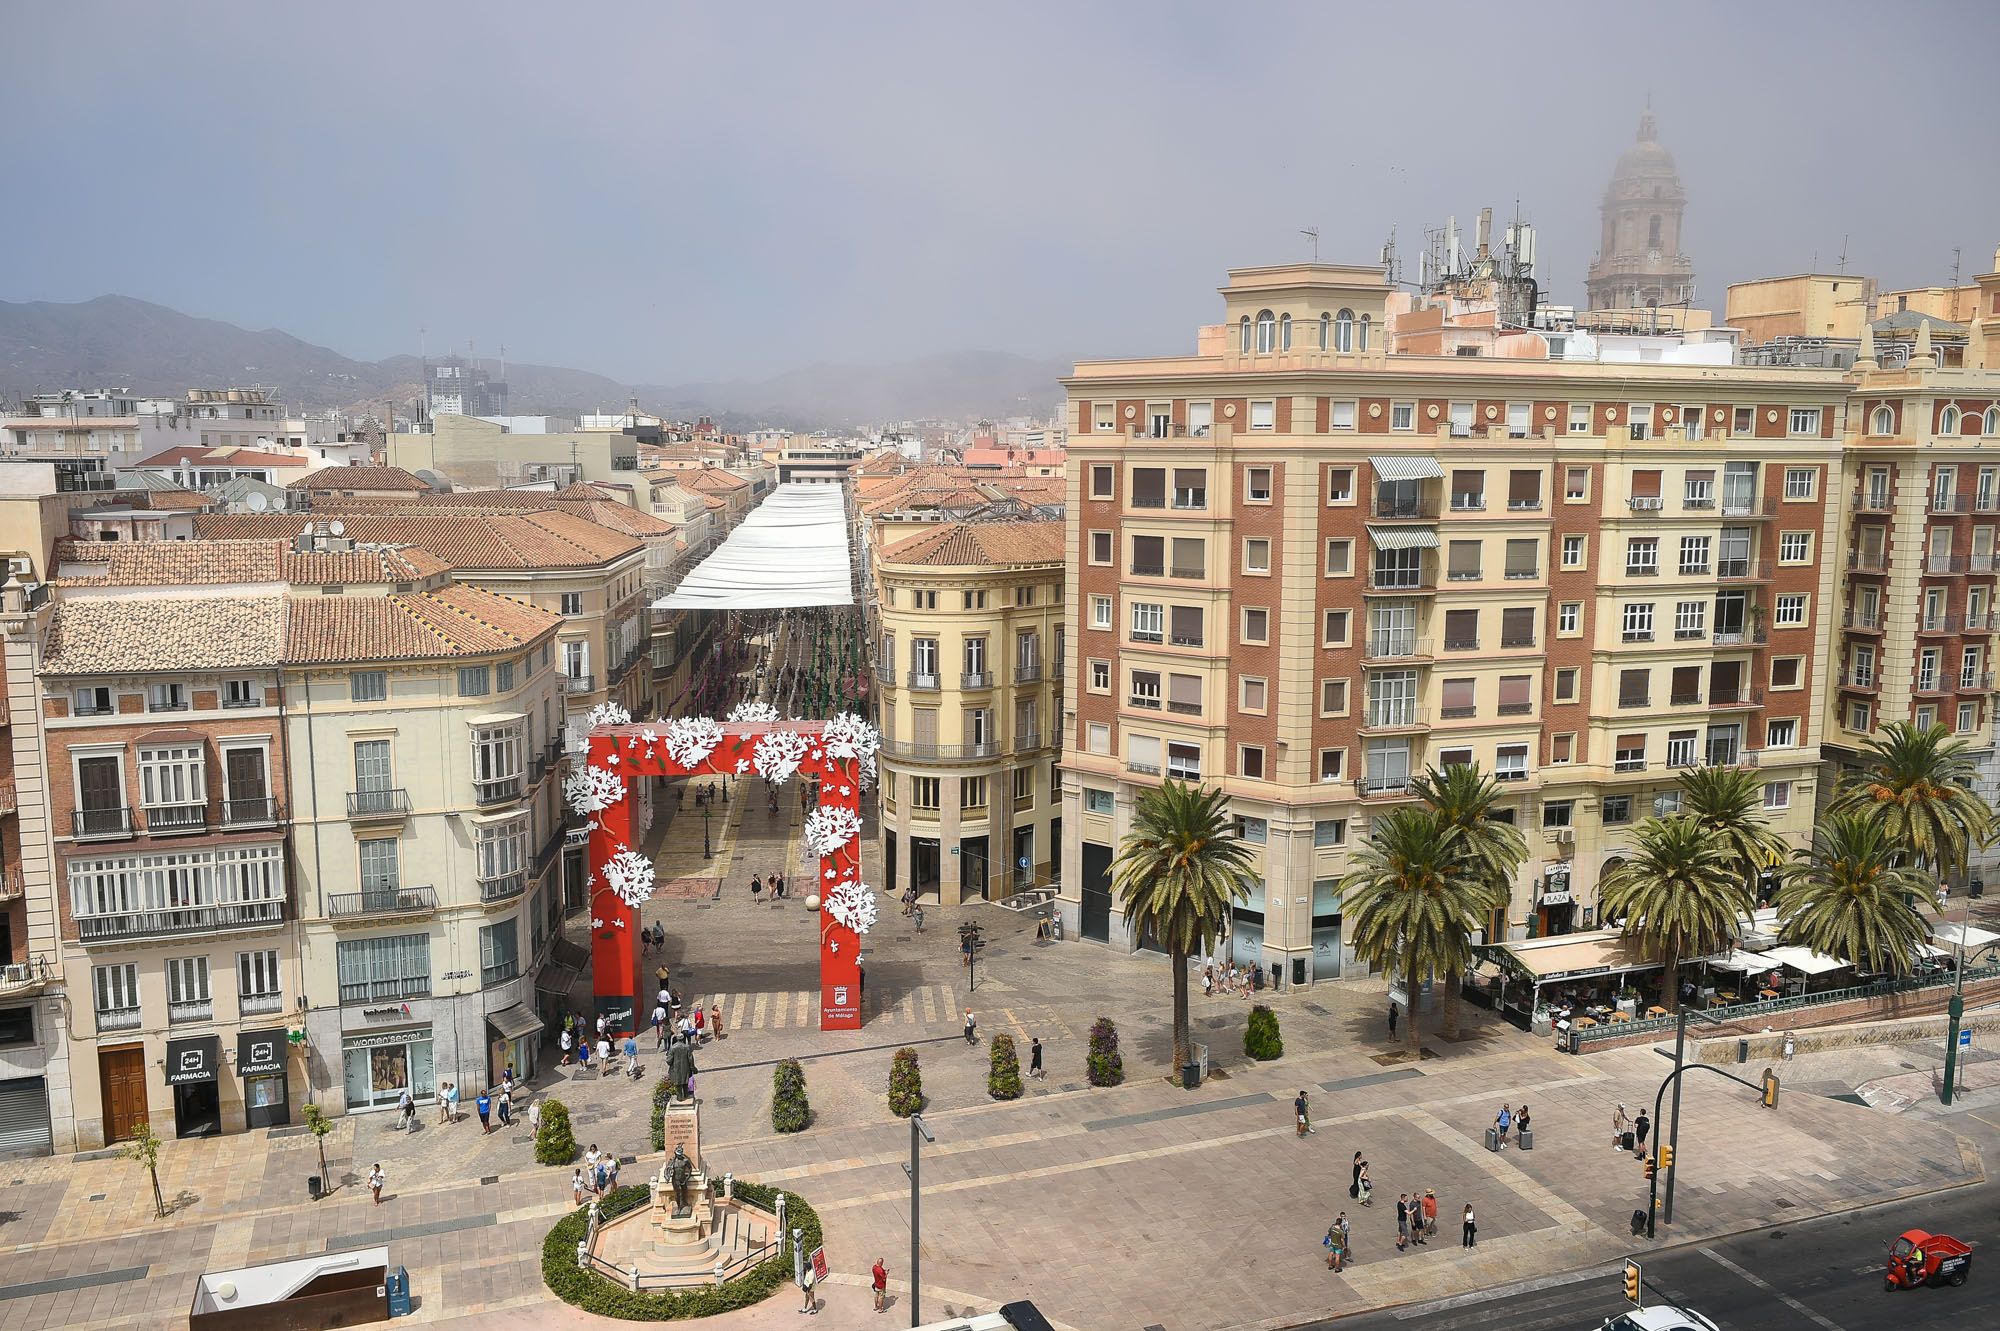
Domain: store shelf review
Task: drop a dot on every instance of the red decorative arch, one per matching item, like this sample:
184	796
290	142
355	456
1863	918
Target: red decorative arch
836	753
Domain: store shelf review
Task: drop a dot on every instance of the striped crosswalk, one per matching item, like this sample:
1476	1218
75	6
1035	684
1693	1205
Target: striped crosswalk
925	1005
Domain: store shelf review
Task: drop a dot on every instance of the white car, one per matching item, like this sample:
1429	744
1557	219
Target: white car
1664	1317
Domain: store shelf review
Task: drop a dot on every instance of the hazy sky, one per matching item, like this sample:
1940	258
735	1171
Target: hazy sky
669	192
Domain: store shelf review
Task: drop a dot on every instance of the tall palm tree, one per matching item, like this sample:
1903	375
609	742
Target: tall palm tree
1467	799
1729	801
1178	871
1917	789
1413	900
1850	897
1679	892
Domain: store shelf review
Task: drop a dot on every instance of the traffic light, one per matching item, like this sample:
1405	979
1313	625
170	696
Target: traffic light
1666	1157
1632	1282
1652	1168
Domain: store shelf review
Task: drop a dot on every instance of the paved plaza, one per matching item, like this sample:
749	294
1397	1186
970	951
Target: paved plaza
1138	1206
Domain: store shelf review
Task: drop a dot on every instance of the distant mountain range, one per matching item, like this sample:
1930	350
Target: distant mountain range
120	342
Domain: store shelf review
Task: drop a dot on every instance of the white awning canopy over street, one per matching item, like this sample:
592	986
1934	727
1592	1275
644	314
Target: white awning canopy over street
1804	959
790	551
1947	931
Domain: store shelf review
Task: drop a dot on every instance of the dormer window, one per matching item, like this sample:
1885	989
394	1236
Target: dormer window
1267	332
1343	331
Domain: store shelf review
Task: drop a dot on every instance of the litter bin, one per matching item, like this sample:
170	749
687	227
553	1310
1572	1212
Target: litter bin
1576	1042
1492	1139
1190	1076
398	1285
1742	1051
1527	1138
314	1188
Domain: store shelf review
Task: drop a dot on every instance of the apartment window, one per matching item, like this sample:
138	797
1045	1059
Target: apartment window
1925	716
499	952
188	997
1461	420
1690	620
1332	764
1517	626
1510	762
1159	420
1794	547
1968	717
1639	418
1968	668
1562	749
1145	690
1149	621
1805	420
502	849
1634	688
1339	558
1639	622
1329	833
1698	489
924	792
1927	670
1253	830
1250	761
572	603
504	676
1100	676
1340	485
1462	561
1100	612
1468	491
1446	759
1517	695
1333	697
975	600
975	656
241	693
924	600
1100	480
1459	698
167	698
1524	491
257	979
1263	415
1257	555
1743	420
496	754
1694	556
1789	610
474	682
1617	809
1402	416
1781	733
1341	417
1096	801
171	777
1778	794
1519	418
1557	813
1684	686
116	989
1251	693
1569	618
972	792
1566	684
924	658
1572	552
1863	668
1461	630
1680	748
1100	547
1642	557
1256	625
94	701
576	660
1184	762
1335	628
1801	482
1257	484
1524	559
1579	418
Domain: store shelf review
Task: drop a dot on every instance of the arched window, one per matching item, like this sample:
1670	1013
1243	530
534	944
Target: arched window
1246	334
1361	343
1653	232
1326	332
1948	422
1285	332
1343	331
1883	421
1267	330
1991	423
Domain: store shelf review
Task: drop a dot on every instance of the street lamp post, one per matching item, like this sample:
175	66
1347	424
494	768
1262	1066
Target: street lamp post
918	1133
1956	1009
707	852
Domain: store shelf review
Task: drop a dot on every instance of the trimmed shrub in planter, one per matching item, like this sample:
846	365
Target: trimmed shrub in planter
1106	1066
790	1111
906	1084
1260	1038
595	1293
555	1144
1003	1081
657	1126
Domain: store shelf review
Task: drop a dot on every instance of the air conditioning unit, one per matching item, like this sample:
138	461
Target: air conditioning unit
1565	836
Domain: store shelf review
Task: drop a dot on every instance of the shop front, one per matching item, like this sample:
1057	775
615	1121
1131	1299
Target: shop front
1326	929
260	1062
513	1039
194	1075
1555	903
379	1064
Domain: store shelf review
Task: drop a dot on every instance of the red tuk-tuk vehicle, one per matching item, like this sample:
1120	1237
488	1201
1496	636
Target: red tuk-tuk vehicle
1918	1258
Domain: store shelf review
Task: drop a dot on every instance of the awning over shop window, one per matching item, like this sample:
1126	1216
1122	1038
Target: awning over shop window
260	1053
1803	959
1403	538
514	1022
1574	956
1406	468
192	1061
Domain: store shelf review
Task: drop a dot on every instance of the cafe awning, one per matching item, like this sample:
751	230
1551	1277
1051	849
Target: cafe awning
1570	957
1406	469
1740	961
514	1022
1975	937
1803	959
1403	538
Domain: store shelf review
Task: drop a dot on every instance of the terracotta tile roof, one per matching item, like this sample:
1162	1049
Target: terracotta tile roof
596	506
227	455
213	563
528	540
454	621
141	635
967	544
711	478
359	478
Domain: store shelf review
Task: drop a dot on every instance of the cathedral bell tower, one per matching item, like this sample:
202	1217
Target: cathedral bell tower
1639	260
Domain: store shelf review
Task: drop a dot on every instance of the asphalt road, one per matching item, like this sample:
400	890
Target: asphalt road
1824	1274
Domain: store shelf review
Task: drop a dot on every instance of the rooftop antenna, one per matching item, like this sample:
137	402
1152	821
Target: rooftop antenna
1955	279
1312	233
1842	266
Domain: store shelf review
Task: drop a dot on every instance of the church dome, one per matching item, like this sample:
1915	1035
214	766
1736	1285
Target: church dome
1646	158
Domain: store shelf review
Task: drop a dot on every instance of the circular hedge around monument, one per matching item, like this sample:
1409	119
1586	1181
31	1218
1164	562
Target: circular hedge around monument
598	1294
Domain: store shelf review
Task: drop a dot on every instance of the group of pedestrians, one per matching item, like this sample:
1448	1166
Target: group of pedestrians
598	1175
776	883
1239	980
1416	1213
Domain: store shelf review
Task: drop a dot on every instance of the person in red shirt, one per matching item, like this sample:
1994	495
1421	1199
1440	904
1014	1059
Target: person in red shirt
881	1278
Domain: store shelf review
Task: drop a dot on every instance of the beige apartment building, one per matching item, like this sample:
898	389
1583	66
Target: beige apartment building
1304	570
968	688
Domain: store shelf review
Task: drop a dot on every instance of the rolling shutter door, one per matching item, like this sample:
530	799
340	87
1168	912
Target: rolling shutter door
24	1118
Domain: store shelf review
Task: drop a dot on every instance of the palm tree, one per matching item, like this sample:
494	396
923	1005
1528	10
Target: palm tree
1729	801
1849	897
1918	790
1465	798
1679	892
1178	871
1414	899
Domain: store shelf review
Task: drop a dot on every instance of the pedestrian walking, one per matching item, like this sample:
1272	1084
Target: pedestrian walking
1299	1107
1469	1234
661	976
715	1017
506	1103
568	1043
583	1058
1621	1128
971	1027
1402	1221
577	1187
444	1102
1392	1019
535	1119
1367	1186
1501	1122
781	887
1430	1214
406	1110
507	1077
451	1104
376	1178
603	1055
1791	1047
1521	1125
632	1057
1035	1057
1640	1128
1336	1246
484	1104
879	1281
1208	981
918	915
756	889
660	1024
1354	1184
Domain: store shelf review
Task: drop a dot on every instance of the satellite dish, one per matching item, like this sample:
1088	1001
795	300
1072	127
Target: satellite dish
337	527
255	502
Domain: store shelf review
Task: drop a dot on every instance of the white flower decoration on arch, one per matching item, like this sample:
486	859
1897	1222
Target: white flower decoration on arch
850	904
848	736
592	789
778	755
753	713
690	739
828	828
630	875
607	714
